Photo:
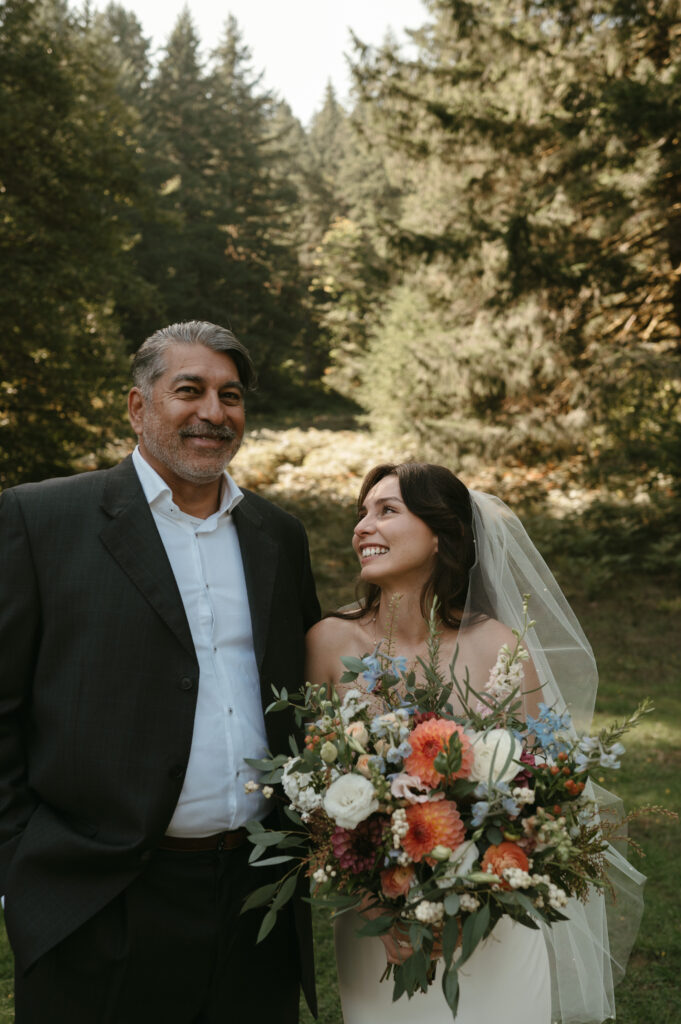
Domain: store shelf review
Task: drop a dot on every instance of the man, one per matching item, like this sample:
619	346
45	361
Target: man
145	612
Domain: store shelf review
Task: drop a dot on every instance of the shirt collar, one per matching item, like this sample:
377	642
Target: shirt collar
155	487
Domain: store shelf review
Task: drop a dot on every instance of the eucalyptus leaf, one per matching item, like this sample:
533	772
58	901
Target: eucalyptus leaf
452	904
277	705
450	989
355	665
293	815
340	902
254	826
259	896
494	835
285	893
266	764
267	838
473	931
271	860
267	925
398	982
450	938
417	933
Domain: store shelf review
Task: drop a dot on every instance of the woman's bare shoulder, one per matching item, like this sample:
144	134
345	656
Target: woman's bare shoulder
330	629
327	642
488	631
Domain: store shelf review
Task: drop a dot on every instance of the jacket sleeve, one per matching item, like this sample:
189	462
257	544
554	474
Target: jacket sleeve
19	643
310	602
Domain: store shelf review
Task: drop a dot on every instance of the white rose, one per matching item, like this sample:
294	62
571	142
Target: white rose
349	800
501	747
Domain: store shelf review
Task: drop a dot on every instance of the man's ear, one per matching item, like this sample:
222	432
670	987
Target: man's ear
136	405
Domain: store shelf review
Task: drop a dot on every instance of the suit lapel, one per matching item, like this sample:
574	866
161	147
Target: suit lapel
132	539
259	554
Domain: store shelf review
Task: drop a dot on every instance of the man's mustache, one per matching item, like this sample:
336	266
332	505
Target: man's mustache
209	430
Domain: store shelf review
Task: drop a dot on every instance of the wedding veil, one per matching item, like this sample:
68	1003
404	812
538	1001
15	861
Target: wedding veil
588	952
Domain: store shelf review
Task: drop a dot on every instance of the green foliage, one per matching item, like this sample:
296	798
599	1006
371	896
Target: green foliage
67	174
532	304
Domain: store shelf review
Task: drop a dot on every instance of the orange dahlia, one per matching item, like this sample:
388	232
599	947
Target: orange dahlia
504	855
428	740
431	825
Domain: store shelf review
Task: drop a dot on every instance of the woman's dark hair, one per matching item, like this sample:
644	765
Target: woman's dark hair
439	498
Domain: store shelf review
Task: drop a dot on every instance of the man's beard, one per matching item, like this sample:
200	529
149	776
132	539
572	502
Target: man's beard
191	465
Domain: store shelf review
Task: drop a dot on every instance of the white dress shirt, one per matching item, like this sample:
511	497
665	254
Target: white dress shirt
229	724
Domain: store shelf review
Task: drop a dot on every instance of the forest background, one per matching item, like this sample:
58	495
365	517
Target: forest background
477	262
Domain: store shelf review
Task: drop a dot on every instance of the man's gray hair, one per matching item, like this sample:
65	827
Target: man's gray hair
149	362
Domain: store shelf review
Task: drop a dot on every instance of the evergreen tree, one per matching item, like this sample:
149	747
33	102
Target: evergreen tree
124	31
261	201
535	149
348	192
67	173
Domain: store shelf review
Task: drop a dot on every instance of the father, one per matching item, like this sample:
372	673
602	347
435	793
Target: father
145	612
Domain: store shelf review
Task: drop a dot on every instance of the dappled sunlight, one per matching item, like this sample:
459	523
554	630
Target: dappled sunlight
307	463
649	735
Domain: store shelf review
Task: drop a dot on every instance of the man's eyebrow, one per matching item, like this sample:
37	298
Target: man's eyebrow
195	378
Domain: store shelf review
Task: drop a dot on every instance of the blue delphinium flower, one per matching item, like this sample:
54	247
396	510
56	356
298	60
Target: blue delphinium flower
398	665
548	727
376	761
399	753
510	806
372	670
480	811
378	726
611	758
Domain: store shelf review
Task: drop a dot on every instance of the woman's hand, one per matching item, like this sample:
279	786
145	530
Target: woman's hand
398	948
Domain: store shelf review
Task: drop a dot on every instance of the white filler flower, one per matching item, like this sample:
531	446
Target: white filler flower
349	800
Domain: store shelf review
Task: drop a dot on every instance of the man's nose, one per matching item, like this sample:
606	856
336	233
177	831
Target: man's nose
211	408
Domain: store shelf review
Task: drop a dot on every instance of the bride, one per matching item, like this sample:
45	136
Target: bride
422	535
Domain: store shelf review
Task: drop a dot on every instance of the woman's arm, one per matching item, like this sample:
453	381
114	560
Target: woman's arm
323	651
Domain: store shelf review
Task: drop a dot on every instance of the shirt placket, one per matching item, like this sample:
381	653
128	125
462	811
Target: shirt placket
203	539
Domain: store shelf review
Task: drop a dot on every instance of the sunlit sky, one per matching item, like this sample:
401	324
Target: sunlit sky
299	45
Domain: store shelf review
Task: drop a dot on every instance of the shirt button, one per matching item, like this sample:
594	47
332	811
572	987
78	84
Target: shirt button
186	683
231	711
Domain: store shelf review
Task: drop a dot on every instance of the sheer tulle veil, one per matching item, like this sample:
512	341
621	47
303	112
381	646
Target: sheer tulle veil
588	953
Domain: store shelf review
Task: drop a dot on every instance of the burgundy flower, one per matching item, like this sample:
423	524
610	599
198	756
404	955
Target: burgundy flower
526	757
424	716
355	849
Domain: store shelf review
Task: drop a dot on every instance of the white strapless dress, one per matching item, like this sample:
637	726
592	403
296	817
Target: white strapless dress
506	979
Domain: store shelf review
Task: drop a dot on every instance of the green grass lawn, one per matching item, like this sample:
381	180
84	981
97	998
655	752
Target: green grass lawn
632	622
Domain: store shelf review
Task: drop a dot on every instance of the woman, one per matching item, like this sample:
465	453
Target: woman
422	535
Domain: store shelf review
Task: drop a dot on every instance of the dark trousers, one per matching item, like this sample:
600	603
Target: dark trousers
171	949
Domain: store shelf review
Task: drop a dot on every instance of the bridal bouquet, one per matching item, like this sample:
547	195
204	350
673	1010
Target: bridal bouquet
435	823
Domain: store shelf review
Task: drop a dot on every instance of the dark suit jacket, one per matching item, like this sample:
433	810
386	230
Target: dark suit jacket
98	685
